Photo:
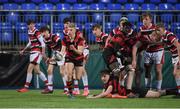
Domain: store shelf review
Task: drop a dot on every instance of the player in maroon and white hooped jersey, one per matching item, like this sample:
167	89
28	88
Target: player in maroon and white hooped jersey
37	51
76	91
53	45
154	53
171	40
73	46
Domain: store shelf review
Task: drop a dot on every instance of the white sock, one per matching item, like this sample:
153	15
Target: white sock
64	82
178	83
43	78
158	83
50	82
121	82
29	77
148	82
85	81
76	88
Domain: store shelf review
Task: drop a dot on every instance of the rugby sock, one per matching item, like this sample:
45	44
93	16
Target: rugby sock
148	82
43	77
64	82
158	84
76	88
178	84
85	81
69	85
50	81
28	80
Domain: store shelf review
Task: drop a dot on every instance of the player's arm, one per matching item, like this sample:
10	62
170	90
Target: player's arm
41	40
27	46
104	93
176	43
134	52
79	49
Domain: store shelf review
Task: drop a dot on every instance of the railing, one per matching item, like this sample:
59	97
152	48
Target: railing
13	28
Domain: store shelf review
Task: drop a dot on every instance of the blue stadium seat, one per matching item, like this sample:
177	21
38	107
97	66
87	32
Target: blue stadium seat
171	1
131	6
39	25
114	6
80	6
19	1
139	24
79	26
148	7
62	16
97	6
63	6
109	27
46	18
6	32
32	16
133	17
106	1
90	37
175	28
37	1
178	17
165	6
54	1
97	17
115	17
88	32
22	30
81	18
87	1
12	17
168	18
10	6
122	1
88	26
28	6
177	6
70	1
3	1
46	6
155	1
58	28
138	1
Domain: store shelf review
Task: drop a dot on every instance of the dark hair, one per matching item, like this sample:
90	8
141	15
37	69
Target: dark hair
67	19
44	28
160	25
106	71
146	15
96	26
30	21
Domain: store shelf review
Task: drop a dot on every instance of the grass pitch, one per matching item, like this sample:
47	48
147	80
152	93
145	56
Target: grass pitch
34	99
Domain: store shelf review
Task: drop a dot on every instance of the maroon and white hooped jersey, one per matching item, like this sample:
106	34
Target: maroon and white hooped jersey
52	42
169	39
145	38
33	39
102	39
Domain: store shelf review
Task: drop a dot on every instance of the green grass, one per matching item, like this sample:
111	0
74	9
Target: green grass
34	99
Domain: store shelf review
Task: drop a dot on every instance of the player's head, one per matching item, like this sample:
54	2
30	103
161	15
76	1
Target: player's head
126	27
96	30
160	28
31	24
155	36
146	19
105	75
66	22
45	31
122	20
71	30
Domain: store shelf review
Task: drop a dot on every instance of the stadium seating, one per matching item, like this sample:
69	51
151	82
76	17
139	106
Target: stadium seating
155	1
3	1
79	26
97	17
131	6
97	6
88	32
133	17
175	28
177	6
62	16
87	1
46	6
115	17
63	6
6	32
37	1
148	6
138	1
165	6
168	18
28	6
122	1
171	1
10	6
19	1
12	17
109	27
70	1
22	30
106	1
80	6
53	1
58	29
114	6
39	25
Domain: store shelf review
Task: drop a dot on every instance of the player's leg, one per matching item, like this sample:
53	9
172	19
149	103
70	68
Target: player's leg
64	77
28	78
76	90
176	72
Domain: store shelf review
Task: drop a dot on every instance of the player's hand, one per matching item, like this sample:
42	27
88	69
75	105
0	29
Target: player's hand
134	64
21	52
72	47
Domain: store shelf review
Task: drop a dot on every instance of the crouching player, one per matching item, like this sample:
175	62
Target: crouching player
53	43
